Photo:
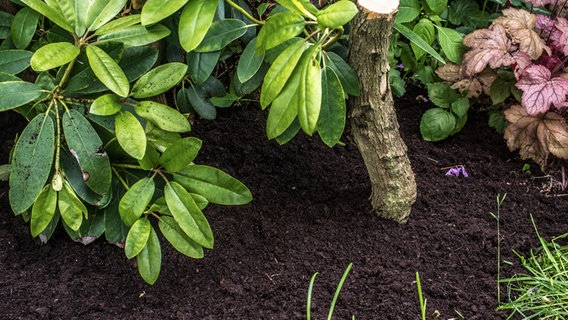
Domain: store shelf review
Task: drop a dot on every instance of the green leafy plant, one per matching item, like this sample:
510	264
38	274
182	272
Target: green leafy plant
541	293
335	296
100	155
421	298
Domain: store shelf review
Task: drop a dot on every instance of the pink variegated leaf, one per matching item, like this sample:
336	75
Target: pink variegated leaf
544	23
488	47
559	36
522	60
540	91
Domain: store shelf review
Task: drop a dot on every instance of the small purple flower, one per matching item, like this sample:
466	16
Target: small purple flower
456	171
400	66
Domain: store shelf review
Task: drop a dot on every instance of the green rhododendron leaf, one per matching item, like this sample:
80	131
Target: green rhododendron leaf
180	154
106	105
118	24
281	69
96	13
178	239
70	207
23	28
17	93
337	14
134	202
86	146
215	185
194	22
198	99
331	120
163	116
43	210
220	34
310	90
32	162
156	10
136	35
137	237
346	75
108	71
14	61
201	65
159	80
53	14
53	55
186	213
149	260
279	28
130	134
249	62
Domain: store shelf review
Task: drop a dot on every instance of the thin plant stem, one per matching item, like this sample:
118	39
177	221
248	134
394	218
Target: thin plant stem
244	12
421	297
336	295
309	301
500	200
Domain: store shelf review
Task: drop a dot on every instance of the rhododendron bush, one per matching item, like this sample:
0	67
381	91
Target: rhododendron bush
527	52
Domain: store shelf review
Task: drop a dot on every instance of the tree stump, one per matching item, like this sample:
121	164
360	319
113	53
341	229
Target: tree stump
372	115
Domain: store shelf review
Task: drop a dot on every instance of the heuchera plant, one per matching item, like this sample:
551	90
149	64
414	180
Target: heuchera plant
526	51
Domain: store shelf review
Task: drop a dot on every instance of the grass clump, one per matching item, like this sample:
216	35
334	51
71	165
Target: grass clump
541	293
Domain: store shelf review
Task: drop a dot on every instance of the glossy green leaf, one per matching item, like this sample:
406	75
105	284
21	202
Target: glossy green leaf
6	20
198	100
137	237
425	30
451	42
437	124
134	202
76	178
159	80
310	90
43	210
32	161
196	18
225	101
331	122
160	139
150	160
418	41
213	184
106	105
70	207
108	71
136	61
17	93
24	27
14	61
201	65
303	7
163	116
346	75
156	10
53	14
284	109
136	35
408	10
91	229
115	229
118	24
178	239
249	62
180	154
130	134
67	9
86	146
97	13
279	28
337	14
149	260
289	133
186	213
53	55
220	34
281	69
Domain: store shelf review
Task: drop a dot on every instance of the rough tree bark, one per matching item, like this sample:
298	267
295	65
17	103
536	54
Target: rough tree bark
372	115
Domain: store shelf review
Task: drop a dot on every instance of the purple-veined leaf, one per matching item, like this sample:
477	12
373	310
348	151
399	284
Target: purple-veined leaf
540	91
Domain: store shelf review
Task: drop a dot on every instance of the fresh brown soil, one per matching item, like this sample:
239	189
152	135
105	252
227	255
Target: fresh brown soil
310	214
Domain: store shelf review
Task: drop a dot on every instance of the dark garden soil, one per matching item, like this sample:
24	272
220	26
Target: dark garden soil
310	214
